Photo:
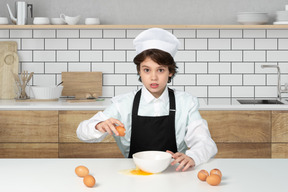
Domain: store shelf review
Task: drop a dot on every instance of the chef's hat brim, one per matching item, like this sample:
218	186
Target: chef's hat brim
156	38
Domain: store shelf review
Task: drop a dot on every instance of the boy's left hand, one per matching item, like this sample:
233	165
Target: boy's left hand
184	161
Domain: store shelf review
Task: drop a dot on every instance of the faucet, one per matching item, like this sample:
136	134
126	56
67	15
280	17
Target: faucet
279	86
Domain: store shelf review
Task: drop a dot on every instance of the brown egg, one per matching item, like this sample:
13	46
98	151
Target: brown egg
121	131
202	175
216	172
213	179
81	171
89	180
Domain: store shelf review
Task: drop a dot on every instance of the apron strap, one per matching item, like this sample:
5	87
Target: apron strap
136	103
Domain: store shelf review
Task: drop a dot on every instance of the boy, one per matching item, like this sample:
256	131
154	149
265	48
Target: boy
155	117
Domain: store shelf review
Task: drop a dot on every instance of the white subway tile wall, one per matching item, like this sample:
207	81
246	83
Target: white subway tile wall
212	63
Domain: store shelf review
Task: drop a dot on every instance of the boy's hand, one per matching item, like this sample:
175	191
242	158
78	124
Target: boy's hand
109	126
184	161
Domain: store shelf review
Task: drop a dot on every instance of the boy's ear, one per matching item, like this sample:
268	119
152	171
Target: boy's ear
170	74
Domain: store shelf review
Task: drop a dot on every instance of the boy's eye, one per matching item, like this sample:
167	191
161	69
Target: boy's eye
146	70
161	70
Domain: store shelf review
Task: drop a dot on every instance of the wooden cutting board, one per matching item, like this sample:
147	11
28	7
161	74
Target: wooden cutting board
80	83
9	62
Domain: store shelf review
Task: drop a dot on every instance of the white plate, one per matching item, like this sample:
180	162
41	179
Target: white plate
280	23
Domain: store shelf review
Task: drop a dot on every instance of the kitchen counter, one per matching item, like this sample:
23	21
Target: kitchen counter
57	175
62	104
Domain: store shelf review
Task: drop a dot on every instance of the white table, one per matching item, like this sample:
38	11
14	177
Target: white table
57	175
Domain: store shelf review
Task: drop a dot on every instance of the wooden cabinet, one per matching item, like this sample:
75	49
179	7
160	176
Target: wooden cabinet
240	134
31	134
71	147
280	134
52	134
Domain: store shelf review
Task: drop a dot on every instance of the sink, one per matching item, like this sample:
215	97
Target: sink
260	102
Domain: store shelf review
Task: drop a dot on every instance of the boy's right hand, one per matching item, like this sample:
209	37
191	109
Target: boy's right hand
109	126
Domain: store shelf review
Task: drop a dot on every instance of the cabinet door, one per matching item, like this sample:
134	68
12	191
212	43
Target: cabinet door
280	134
240	134
239	126
71	147
68	124
280	150
29	126
89	150
28	150
243	150
28	134
279	126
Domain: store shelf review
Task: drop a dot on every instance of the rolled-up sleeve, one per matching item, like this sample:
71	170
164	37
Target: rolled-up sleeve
201	146
87	132
198	140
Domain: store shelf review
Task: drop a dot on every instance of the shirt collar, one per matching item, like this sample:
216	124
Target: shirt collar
149	97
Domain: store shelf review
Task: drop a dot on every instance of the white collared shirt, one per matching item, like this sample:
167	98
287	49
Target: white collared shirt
192	134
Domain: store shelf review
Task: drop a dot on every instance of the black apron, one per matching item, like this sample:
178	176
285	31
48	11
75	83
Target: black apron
153	133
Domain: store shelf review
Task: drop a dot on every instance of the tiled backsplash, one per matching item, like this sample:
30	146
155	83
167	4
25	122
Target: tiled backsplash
213	63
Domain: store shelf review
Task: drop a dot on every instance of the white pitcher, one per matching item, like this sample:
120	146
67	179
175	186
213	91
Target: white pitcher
21	13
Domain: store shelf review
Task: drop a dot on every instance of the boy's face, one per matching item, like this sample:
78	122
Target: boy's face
154	76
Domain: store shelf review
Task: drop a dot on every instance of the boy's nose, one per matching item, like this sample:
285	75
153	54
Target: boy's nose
153	76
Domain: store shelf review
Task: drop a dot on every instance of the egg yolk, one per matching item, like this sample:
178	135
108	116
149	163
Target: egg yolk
139	172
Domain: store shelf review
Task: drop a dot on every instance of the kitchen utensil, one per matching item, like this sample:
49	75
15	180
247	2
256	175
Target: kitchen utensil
21	12
152	161
3	21
92	21
41	92
22	83
252	18
59	83
70	20
57	21
8	63
41	21
77	83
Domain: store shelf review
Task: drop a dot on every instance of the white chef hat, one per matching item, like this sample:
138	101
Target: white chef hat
156	38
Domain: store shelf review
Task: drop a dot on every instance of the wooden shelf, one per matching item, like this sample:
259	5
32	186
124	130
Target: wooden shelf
143	26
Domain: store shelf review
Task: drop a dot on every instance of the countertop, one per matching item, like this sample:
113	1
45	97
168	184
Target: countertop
62	104
57	175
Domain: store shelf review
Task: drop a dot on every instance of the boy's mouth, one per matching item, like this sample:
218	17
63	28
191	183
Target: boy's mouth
154	85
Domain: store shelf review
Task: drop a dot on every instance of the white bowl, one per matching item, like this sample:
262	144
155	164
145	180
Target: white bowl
4	21
152	161
252	18
92	21
41	92
41	21
282	16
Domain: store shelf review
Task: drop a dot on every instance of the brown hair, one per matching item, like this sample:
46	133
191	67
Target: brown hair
158	56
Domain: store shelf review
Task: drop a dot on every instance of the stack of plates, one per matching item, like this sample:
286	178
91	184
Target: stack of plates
281	17
252	18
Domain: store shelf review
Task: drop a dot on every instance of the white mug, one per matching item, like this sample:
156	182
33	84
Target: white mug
3	21
92	21
70	20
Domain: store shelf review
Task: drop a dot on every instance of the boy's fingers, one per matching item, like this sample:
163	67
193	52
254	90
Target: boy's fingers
186	167
119	123
170	152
